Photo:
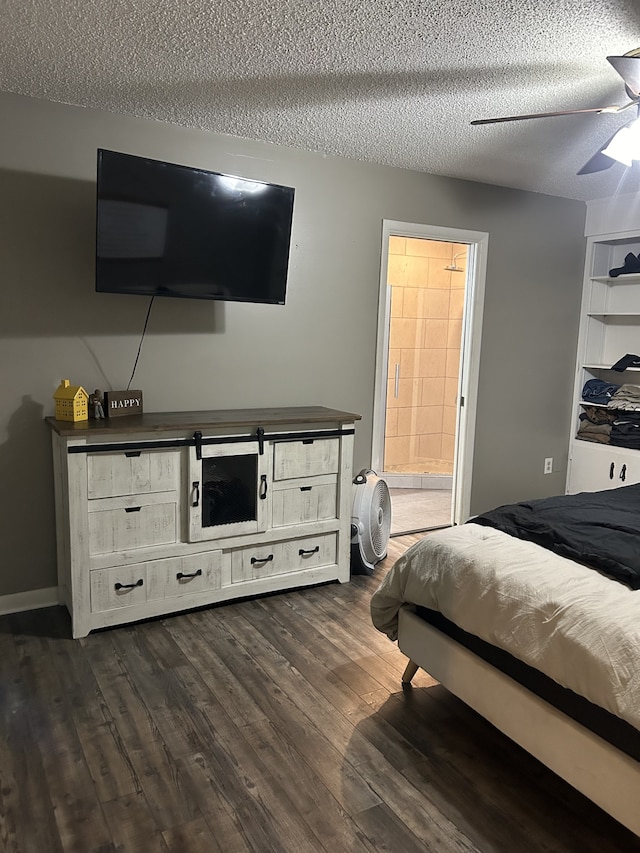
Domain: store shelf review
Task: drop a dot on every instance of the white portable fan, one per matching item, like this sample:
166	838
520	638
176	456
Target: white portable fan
370	522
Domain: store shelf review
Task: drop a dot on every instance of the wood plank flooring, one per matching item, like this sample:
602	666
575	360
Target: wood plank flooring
276	724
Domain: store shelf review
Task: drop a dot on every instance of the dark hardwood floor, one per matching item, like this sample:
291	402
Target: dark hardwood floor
276	724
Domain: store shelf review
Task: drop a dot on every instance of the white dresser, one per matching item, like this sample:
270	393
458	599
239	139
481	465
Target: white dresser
163	512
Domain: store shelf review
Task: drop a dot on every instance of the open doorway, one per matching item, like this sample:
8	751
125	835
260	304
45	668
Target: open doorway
430	307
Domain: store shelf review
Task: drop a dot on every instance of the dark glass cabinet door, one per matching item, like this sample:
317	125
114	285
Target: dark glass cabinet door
228	491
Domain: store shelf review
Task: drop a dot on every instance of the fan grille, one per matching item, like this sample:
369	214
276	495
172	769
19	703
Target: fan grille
380	518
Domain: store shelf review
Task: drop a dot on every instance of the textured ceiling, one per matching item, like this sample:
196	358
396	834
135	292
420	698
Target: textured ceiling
388	81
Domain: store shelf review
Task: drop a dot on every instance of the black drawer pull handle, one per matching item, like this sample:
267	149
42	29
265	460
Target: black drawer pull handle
305	488
196	493
263	486
611	470
307	441
182	575
131	453
118	586
132	509
303	553
261	559
623	473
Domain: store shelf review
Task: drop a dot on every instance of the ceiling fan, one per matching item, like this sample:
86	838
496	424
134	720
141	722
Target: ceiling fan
624	145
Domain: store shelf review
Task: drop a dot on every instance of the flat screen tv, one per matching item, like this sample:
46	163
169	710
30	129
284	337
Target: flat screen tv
169	230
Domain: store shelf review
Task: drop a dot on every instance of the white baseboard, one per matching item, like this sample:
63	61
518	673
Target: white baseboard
31	600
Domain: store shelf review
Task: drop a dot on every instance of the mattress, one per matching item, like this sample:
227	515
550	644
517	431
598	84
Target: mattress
573	624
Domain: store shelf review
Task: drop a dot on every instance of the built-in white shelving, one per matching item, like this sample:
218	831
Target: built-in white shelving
609	330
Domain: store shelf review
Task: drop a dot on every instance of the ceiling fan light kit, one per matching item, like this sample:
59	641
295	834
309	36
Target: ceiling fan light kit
624	145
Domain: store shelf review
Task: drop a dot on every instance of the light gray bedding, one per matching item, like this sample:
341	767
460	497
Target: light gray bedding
577	626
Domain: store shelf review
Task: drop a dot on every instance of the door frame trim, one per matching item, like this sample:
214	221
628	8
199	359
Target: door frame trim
478	242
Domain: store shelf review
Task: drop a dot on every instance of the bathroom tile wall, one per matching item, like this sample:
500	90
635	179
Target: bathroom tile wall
427	303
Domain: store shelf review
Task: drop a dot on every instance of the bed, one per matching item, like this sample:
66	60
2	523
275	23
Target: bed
530	614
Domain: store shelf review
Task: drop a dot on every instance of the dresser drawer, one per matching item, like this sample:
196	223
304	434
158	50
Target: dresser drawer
190	575
131	472
172	577
305	458
121	587
278	558
312	551
308	500
141	524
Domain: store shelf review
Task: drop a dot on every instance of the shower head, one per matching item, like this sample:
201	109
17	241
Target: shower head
452	266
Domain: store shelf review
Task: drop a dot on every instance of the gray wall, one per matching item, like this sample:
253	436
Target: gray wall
318	349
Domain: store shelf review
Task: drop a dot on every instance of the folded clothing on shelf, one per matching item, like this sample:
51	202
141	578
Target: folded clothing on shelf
625	434
627	397
589	431
628	360
631	264
598	391
597	415
595	424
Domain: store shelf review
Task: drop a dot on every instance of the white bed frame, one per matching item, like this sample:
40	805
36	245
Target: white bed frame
601	772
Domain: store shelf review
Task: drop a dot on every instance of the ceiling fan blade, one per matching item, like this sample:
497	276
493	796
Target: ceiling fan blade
628	67
611	109
599	162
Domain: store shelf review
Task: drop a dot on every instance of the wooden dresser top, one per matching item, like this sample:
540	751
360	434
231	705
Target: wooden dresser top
215	419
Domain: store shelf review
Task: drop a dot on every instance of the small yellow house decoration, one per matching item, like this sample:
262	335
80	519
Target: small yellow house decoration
72	402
